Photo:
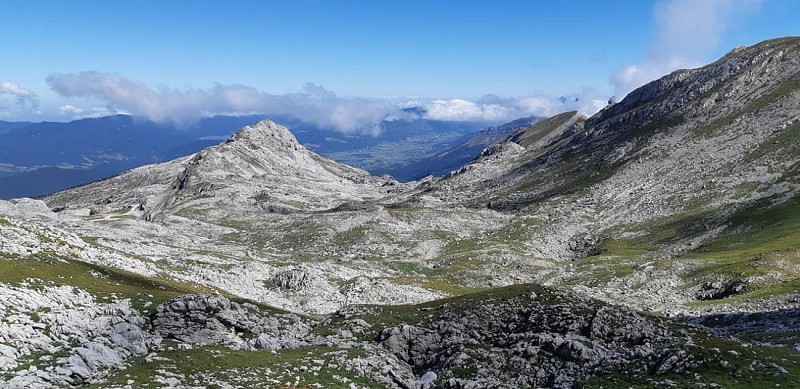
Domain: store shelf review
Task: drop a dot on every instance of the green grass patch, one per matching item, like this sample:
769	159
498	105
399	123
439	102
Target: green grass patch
628	248
462	245
789	137
90	239
351	237
765	228
102	282
766	241
536	132
290	368
404	267
447	285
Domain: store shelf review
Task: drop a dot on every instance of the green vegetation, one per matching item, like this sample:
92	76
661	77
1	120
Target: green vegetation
383	316
90	239
447	285
102	282
627	248
539	130
352	236
206	365
596	270
463	245
765	240
403	267
763	229
745	189
722	361
787	138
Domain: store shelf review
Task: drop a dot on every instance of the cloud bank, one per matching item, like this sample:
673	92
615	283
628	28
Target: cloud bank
313	104
688	32
496	108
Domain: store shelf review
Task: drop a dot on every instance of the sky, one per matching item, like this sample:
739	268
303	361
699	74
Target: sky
347	65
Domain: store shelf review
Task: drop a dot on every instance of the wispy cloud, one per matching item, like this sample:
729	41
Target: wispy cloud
314	104
14	89
16	100
688	32
93	112
68	109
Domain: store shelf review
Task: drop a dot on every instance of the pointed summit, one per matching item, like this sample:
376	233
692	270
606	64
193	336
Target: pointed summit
260	167
263	133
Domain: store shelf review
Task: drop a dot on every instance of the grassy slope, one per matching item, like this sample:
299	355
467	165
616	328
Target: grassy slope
215	366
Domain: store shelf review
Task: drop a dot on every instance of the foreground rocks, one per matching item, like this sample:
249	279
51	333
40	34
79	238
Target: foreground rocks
213	319
544	339
53	336
523	336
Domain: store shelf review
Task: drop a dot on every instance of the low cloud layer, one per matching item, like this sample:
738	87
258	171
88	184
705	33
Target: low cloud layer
689	31
314	104
496	108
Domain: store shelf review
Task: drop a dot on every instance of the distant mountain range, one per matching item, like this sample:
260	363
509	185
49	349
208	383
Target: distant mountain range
40	158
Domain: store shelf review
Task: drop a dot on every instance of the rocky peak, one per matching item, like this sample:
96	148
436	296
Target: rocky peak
265	133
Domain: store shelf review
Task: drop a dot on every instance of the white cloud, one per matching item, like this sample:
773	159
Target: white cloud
313	104
495	108
12	88
68	109
98	112
688	32
463	110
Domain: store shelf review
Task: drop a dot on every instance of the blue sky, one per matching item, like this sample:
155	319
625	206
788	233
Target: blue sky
347	64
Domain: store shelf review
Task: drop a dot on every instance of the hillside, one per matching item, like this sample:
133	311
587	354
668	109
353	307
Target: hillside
464	152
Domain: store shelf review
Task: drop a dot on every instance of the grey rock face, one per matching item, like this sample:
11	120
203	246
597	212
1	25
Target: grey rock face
93	339
547	342
196	319
291	279
415	346
213	319
715	290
